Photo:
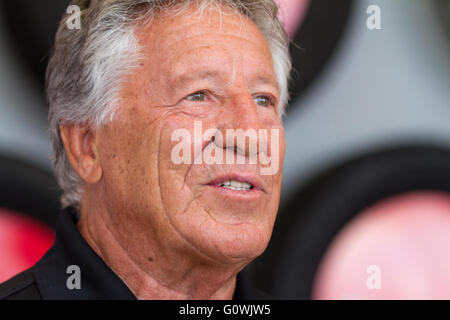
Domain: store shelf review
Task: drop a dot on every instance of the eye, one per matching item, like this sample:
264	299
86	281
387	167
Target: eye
264	101
197	96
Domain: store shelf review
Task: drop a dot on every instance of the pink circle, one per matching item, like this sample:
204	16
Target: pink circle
292	14
396	249
23	241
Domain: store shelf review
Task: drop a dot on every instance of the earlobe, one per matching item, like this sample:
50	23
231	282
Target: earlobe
81	149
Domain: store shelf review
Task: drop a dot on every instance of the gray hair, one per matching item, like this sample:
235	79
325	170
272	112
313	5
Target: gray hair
87	66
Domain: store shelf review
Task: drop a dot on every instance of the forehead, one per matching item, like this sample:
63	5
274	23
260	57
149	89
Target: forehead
171	36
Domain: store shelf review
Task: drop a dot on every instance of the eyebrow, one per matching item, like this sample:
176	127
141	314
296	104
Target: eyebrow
218	75
266	80
194	75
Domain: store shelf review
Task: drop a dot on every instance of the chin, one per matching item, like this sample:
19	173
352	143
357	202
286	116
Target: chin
225	237
240	243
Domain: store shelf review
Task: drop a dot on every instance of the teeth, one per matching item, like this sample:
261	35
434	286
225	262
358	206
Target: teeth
246	185
236	185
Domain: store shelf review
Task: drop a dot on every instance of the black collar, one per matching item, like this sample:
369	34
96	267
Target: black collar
98	281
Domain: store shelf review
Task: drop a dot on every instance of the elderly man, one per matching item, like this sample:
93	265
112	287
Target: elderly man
138	221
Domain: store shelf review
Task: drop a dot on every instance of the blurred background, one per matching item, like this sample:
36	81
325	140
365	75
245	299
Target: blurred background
365	208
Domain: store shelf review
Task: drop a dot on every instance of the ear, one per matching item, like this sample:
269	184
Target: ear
81	149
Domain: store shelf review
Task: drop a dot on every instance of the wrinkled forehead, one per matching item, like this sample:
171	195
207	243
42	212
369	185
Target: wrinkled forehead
213	38
168	28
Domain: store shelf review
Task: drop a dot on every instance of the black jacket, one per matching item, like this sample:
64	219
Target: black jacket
47	279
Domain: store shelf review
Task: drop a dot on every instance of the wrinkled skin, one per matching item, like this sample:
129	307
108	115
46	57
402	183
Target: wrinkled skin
160	226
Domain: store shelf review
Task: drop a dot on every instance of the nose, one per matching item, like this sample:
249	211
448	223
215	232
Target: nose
239	127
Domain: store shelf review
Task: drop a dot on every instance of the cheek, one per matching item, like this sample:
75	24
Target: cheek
174	157
282	142
278	177
128	155
276	149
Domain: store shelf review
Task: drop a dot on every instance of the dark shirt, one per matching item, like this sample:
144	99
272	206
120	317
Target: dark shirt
47	279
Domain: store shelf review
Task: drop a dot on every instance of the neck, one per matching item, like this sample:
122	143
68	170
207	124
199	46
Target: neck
165	275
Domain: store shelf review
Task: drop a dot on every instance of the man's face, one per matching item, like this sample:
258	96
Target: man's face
212	69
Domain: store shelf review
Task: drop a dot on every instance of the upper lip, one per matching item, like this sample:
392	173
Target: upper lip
251	179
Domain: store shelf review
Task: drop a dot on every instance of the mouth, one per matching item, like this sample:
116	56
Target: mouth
237	183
